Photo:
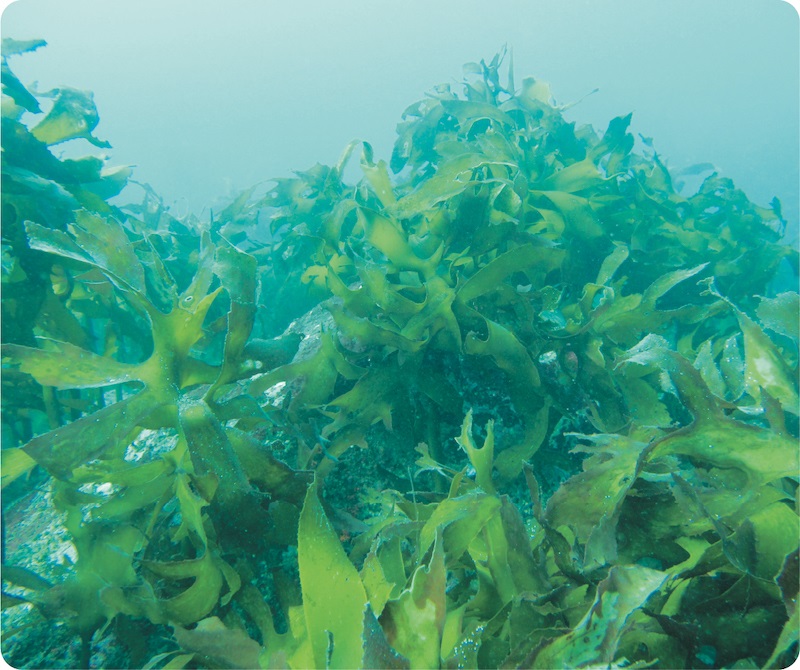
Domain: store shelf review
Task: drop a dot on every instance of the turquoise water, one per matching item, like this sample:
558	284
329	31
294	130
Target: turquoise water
210	98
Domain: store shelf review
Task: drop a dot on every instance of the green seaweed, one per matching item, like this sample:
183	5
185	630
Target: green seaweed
334	598
622	352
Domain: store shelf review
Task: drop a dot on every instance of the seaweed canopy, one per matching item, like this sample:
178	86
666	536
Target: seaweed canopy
129	339
509	280
556	276
510	261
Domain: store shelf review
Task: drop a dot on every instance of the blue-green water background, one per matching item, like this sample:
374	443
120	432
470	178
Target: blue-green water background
206	98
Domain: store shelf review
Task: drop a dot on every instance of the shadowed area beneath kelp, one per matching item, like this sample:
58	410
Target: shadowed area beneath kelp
510	400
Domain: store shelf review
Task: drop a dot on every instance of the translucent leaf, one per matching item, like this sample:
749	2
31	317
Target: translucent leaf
731	366
643	402
366	403
223	646
334	600
526	570
764	367
200	598
709	371
468	112
461	519
510	461
508	353
495	543
668	281
611	264
782	655
536	90
377	652
780	314
15	463
414	622
212	453
576	177
759	453
480	457
100	241
390	556
178	662
377	586
519	258
25	578
377	176
271	474
54	242
653	350
577	213
386	237
12	47
765	539
451	179
237	272
385	293
109	246
435	316
65	366
191	507
14	88
594	640
616	143
62	450
107	556
73	115
131	500
608	474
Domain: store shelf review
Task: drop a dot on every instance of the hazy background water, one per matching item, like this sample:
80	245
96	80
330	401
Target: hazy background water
206	98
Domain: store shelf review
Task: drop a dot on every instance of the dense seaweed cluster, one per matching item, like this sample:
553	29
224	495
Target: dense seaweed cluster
507	287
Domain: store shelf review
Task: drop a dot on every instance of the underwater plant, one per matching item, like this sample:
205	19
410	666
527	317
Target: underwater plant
546	416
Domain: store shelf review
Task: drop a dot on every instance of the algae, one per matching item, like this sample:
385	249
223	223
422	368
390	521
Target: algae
508	280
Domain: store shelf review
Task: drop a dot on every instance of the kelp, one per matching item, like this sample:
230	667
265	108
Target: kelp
579	383
182	384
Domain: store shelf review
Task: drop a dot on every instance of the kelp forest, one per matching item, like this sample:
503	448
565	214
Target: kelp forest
516	396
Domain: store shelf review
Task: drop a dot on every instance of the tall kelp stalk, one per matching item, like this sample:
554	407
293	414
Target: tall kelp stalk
507	286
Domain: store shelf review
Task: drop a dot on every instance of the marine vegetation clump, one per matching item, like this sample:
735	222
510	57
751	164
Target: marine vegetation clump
343	442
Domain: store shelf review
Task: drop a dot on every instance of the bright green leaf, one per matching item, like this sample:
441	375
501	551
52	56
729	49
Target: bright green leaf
334	599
